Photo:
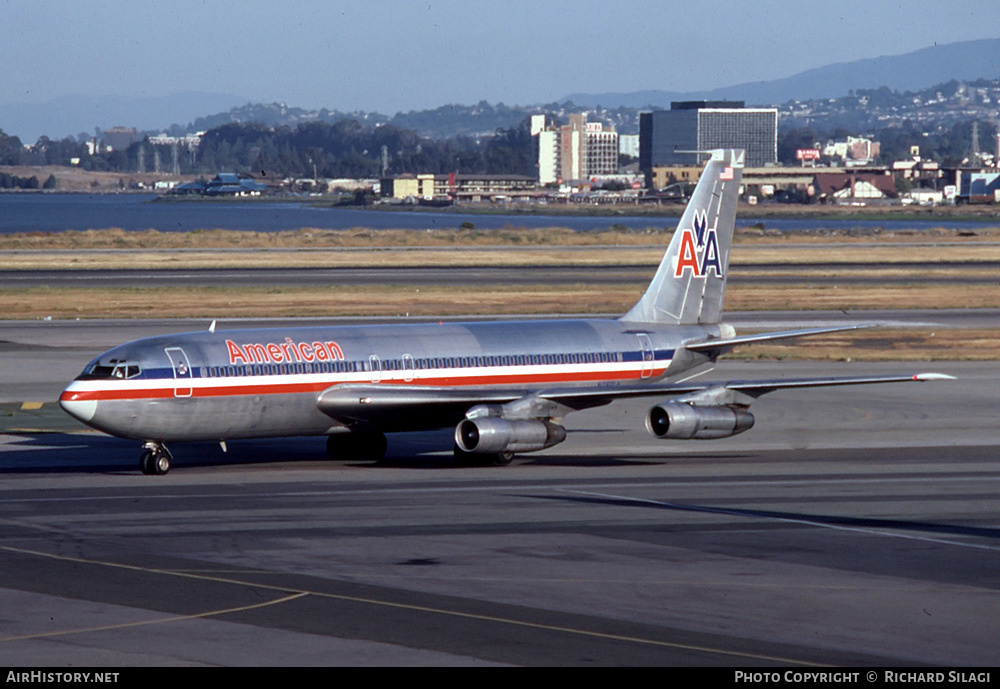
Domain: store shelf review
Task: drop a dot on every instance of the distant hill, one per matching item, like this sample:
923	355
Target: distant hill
965	61
440	123
944	66
272	115
867	110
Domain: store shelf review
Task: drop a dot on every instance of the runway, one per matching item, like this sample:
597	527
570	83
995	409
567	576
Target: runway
851	527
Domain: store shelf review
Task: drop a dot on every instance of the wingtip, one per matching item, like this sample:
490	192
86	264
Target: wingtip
932	376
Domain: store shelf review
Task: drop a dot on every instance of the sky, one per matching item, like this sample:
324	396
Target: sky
397	56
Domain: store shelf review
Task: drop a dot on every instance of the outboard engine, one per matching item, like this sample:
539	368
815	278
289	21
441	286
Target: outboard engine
681	421
492	434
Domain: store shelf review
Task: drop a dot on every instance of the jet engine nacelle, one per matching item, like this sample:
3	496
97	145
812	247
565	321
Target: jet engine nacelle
488	434
683	421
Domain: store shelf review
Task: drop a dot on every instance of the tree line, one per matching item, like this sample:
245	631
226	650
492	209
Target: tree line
347	148
342	149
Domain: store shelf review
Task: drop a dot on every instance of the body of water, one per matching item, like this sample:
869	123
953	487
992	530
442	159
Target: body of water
133	212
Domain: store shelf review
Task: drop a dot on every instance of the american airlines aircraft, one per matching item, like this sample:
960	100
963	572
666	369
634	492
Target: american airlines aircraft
505	385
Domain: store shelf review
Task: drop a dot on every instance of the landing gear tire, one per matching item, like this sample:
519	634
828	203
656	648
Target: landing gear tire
369	446
161	464
482	459
155	459
502	459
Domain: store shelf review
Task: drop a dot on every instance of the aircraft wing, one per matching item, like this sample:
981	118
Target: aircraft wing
753	388
756	388
399	407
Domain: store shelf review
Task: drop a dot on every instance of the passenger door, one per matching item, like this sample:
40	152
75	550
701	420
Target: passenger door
182	371
646	354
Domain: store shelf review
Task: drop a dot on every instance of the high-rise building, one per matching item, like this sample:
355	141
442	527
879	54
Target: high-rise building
601	149
548	156
576	150
572	151
707	125
628	145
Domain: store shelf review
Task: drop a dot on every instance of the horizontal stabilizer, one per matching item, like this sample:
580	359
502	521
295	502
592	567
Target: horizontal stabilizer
725	345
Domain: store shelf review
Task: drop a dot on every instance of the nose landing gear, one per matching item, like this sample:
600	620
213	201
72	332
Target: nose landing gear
155	459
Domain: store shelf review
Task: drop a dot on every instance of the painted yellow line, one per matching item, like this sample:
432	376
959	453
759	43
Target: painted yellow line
297	593
178	618
31	405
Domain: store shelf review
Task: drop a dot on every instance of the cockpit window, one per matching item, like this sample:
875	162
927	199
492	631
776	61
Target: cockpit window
95	370
125	371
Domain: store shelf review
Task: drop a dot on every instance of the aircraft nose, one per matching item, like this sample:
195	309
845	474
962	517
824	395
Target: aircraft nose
80	409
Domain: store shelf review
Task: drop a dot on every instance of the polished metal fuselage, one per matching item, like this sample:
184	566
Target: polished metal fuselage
266	382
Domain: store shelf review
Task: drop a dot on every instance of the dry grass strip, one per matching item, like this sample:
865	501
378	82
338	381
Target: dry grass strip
219	302
918	344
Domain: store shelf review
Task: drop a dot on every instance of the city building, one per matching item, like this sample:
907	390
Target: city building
600	149
839	187
663	176
979	187
703	126
120	138
578	150
423	186
458	187
190	141
223	184
784	184
628	145
918	172
854	151
548	156
803	184
494	187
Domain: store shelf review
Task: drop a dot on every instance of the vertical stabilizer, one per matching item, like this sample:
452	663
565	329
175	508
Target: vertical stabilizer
690	283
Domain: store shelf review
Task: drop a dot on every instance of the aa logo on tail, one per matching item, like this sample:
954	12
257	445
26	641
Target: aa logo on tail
699	250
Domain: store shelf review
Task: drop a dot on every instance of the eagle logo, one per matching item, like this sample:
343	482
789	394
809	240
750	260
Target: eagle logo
699	249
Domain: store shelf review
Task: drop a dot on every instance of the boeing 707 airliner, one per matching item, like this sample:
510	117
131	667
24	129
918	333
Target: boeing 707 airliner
504	385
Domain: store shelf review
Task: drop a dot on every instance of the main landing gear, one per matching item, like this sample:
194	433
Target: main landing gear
364	446
155	459
482	459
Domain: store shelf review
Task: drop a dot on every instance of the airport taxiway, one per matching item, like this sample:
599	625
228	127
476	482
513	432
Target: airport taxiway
855	527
